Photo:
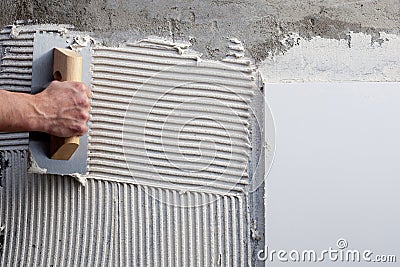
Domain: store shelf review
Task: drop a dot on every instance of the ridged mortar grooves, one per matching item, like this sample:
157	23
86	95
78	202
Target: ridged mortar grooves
53	221
163	117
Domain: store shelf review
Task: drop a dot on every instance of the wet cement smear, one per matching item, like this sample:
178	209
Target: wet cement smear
163	117
50	220
168	163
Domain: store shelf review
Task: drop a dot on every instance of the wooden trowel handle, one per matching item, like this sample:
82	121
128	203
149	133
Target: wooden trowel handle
67	67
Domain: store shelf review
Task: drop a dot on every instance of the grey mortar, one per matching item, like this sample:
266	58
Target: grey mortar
263	26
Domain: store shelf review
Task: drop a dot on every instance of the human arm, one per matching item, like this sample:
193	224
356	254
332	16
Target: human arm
62	109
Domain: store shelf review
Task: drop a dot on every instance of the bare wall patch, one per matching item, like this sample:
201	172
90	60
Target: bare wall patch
359	58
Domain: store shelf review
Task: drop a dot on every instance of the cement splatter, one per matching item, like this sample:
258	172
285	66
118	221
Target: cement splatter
262	25
325	60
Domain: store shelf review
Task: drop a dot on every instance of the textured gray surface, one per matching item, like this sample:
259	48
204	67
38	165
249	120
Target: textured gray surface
52	221
265	27
262	25
330	60
159	115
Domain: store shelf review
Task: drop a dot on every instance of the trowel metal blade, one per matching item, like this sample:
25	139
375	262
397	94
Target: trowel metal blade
42	75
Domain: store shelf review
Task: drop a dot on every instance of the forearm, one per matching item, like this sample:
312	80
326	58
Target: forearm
62	109
18	113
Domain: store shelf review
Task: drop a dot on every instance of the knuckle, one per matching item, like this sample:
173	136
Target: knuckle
84	115
80	86
75	86
83	130
77	129
82	101
54	82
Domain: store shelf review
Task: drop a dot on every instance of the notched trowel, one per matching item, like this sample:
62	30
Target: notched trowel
51	154
67	67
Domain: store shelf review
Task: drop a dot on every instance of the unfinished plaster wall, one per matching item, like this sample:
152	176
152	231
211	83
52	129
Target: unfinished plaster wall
288	40
280	36
263	26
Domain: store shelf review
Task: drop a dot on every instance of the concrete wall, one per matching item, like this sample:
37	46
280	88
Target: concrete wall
265	27
290	41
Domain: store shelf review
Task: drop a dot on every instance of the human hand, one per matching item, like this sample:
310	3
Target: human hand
63	109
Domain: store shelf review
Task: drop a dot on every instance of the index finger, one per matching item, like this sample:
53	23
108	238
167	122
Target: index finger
83	87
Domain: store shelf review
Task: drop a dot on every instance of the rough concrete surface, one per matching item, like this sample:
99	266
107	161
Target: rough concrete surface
263	26
327	60
302	41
